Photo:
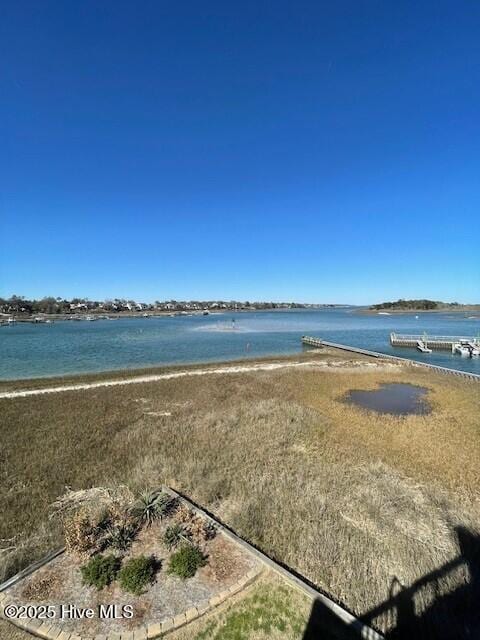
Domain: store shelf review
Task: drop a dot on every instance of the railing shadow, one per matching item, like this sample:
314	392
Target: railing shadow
450	615
323	624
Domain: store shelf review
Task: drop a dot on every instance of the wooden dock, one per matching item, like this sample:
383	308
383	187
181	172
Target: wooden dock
309	341
441	343
312	342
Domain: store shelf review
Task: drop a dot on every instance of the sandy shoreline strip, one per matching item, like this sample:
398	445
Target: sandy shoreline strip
194	372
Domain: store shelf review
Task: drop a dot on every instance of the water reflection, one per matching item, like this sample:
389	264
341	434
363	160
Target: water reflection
396	399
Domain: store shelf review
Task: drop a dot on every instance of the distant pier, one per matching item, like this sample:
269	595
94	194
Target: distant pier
440	343
310	341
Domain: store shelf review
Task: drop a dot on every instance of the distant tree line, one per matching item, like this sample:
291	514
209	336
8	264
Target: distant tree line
19	305
422	304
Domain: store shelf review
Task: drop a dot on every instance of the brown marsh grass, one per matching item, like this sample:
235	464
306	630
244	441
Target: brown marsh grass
9	632
353	500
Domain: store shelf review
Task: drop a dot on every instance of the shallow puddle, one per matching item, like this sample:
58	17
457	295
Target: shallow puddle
397	399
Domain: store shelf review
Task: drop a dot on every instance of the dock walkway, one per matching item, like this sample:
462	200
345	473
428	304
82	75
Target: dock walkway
317	342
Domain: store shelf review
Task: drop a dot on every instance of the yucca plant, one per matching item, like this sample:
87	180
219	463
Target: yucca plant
174	534
150	506
121	535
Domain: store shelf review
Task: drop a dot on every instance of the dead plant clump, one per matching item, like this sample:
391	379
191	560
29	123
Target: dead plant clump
224	560
92	517
197	529
82	534
95	499
42	587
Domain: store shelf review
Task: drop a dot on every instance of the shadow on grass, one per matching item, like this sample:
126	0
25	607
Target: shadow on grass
449	616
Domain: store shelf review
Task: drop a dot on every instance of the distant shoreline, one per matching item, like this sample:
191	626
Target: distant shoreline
115	315
391	312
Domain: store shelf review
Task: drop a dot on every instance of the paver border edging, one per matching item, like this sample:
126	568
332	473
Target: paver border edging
48	630
296	580
172	624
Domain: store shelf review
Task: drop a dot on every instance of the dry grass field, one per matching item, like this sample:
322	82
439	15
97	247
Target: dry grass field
363	505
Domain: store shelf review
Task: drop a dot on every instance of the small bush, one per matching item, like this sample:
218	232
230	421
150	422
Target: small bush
150	506
174	534
100	571
136	573
185	562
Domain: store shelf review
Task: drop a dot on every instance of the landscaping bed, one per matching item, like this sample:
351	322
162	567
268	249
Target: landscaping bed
154	559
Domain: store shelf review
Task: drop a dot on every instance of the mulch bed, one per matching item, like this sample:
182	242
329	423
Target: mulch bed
60	582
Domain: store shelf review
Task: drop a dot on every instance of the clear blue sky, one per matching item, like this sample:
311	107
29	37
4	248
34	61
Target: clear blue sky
314	151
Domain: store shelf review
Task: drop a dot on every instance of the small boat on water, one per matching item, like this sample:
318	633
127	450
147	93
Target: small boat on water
91	318
461	349
467	348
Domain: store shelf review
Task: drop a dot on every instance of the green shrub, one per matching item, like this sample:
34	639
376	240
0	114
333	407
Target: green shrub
185	562
150	506
136	573
174	534
100	571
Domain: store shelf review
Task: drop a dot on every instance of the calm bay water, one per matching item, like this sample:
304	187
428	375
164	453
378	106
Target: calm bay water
66	347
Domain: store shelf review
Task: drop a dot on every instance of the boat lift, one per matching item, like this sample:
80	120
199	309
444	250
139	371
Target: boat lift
422	346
